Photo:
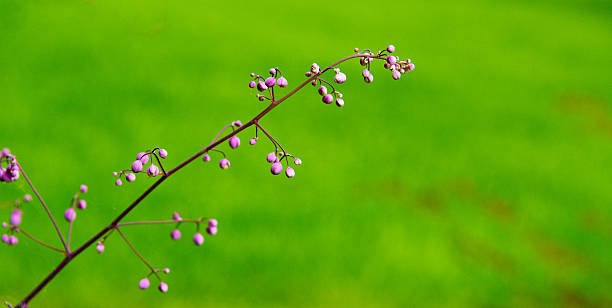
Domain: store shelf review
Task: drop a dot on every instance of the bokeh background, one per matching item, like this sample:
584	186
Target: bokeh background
481	179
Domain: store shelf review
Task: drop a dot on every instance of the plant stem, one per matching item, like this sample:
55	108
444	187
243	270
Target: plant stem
38	241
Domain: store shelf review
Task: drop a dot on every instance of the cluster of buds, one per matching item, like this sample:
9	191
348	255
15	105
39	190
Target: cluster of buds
70	213
144	283
234	142
322	85
276	158
392	63
14	221
138	166
11	172
262	84
198	238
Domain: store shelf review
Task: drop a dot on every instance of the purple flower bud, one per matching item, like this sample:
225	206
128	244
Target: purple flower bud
100	247
271	157
340	78
411	67
5	238
211	230
369	78
70	214
234	142
82	204
282	82
175	234
167	270
83	189
115	173
322	90
328	99
252	84
314	82
261	86
4	224
253	141
5	152
118	182
176	216
391	49
163	287
387	65
152	170
237	123
297	161
276	168
198	239
16	217
252	75
143	157
363	61
396	75
163	153
270	82
365	73
144	283
315	68
308	74
213	223
339	102
12	240
27	198
290	172
272	71
137	166
130	177
206	157
224	163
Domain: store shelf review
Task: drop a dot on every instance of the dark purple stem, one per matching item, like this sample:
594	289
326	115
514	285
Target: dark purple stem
71	255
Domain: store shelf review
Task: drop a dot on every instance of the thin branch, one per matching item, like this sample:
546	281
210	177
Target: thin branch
159	222
38	241
136	252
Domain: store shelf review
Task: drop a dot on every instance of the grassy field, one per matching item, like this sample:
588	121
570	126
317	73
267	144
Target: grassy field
481	179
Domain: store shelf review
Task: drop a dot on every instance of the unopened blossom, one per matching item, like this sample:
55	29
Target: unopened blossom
144	283
237	123
143	157
271	157
118	182
297	161
153	170
163	153
282	82
198	239
339	102
211	230
12	240
5	152
252	84
137	166
5	238
391	49
100	247
70	214
206	157
391	60
314	68
130	177
253	141
167	270
234	142
276	168
82	204
270	82
16	217
289	172
175	234
328	99
261	86
396	75
163	287
213	223
322	90
411	67
176	216
224	163
83	188
340	78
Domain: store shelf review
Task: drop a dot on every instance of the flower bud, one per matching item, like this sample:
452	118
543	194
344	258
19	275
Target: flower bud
328	99
282	82
82	204
163	287
213	223
276	168
270	82
100	247
365	73
163	153
272	71
118	182
297	161
175	234
130	177
396	75
5	152
339	102
70	214
411	67
12	240
224	163
271	157
261	86
152	170
176	216
391	49
340	78
290	172
315	68
237	123
198	239
5	238
137	166
206	157
16	217
253	141
83	189
211	230
369	78
252	84
167	270
143	157
144	283
363	61
322	90
234	142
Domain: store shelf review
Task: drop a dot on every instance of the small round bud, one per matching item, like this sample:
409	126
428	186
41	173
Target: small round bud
70	214
297	161
339	102
396	75
130	177
408	60
365	73
322	90
272	71
27	198
82	204
270	82
224	163
252	84
198	239
163	287
4	224
175	234
12	240
282	82
402	70
261	98
83	189
253	141
143	157
176	216
137	166
5	152
152	170
276	168
290	172
206	157
5	238
314	83
16	215
115	173
315	68
100	247
144	283
369	78
363	61
411	67
167	270
387	65
391	49
340	78
252	74
328	99
237	123
308	74
118	182
271	157
213	223
355	49
261	86
163	153
211	230
234	142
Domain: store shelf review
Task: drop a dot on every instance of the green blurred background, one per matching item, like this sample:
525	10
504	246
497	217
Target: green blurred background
481	179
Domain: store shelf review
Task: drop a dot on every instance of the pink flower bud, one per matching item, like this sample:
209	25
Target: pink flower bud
144	283
100	247
82	204
206	157
70	214
328	99
12	240
391	49
163	287
261	86
340	78
130	177
143	157
252	84
163	153
152	170
198	239
339	102
396	75
234	142
176	216
271	157
137	166
83	189
276	168
282	82
224	163
175	234
118	182
211	230
290	172
322	90
270	82
16	217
